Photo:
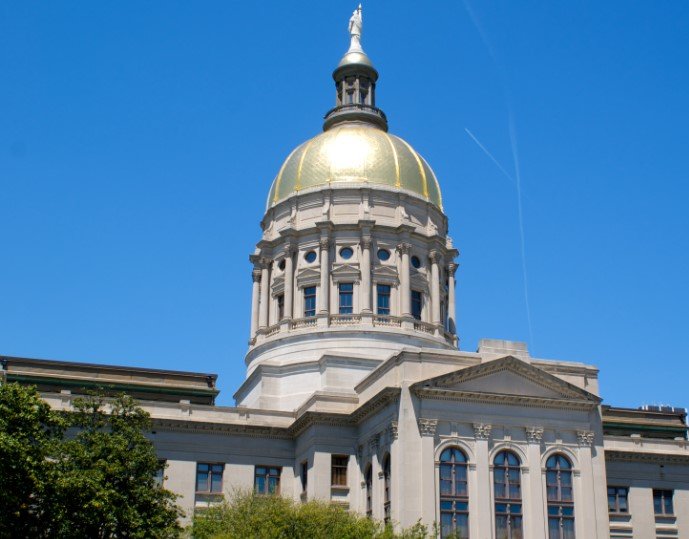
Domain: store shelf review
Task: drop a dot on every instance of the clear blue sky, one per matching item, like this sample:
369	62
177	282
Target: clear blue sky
138	141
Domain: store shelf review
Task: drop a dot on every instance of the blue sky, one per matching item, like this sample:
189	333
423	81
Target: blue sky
138	142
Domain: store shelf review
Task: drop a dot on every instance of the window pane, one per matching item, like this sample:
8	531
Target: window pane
260	484
566	478
273	483
445	487
568	529
201	481
216	482
515	492
554	528
463	526
552	493
668	504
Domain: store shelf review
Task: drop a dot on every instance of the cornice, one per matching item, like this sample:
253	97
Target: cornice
635	456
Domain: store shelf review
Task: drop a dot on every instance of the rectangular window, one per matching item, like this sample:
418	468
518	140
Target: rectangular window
617	499
281	306
267	479
383	298
304	475
346	296
310	301
209	478
662	502
416	304
339	470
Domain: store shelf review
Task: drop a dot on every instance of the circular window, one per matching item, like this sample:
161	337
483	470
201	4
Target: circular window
281	265
310	256
346	253
383	254
415	262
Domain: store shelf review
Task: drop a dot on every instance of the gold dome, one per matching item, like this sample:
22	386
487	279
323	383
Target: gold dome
355	154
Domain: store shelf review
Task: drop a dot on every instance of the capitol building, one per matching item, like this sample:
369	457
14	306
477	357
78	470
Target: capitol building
357	390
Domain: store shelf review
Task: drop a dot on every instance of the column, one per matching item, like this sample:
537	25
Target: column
535	518
289	281
586	515
428	487
265	293
405	283
324	292
435	288
366	275
451	308
255	291
482	517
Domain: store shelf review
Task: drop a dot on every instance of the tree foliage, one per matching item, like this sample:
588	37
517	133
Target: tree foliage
97	481
274	517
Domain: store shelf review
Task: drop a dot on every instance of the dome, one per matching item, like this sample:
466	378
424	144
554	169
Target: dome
355	154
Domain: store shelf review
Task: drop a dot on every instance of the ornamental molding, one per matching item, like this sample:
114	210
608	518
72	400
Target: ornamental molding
534	434
256	276
585	438
324	244
507	400
482	430
427	427
374	443
308	277
345	271
385	274
637	456
404	248
227	429
392	431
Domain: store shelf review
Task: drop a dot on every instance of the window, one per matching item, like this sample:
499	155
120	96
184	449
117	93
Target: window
267	480
617	499
368	477
304	475
383	301
281	306
386	488
346	253
508	496
662	502
159	476
310	257
416	303
338	469
558	480
282	265
383	254
310	301
416	262
454	494
346	295
209	478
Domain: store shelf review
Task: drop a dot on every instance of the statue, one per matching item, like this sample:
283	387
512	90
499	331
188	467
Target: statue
355	24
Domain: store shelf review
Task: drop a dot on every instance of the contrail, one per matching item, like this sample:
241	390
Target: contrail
515	156
490	155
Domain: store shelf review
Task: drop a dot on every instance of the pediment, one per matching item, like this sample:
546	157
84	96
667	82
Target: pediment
419	281
385	273
278	284
308	276
345	271
509	380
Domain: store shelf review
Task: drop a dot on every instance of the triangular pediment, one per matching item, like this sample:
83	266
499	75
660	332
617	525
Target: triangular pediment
509	380
343	271
307	273
385	273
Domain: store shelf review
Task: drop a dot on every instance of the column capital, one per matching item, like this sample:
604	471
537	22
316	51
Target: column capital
534	434
435	255
404	248
324	243
256	275
585	437
452	267
482	431
393	431
427	427
374	443
366	242
265	262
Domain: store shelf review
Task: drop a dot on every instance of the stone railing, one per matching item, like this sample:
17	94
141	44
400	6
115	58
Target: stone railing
308	322
345	319
272	330
424	327
385	320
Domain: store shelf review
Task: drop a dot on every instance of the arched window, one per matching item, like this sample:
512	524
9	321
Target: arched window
558	481
508	496
368	477
454	494
386	488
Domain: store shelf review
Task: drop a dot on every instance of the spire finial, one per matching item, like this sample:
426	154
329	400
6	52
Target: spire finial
355	24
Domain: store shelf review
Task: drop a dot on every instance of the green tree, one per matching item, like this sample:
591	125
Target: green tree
274	517
97	481
30	436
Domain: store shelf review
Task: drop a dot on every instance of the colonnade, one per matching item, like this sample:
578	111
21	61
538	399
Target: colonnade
262	276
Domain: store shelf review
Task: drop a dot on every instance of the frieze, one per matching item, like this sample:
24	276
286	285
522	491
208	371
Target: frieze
637	456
